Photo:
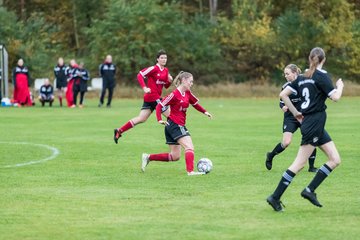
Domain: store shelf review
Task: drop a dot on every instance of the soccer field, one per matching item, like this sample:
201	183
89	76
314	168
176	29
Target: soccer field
62	176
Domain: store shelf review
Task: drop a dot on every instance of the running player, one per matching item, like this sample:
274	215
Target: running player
157	77
290	124
314	87
176	134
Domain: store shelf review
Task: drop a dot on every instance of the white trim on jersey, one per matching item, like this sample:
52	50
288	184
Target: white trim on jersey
331	92
293	90
146	72
167	99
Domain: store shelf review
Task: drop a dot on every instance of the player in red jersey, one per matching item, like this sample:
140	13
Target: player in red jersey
157	77
176	133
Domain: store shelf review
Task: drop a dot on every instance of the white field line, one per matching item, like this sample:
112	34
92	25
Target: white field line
54	154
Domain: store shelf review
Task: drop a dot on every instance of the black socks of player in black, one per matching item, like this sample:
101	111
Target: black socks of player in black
320	176
278	149
283	184
312	159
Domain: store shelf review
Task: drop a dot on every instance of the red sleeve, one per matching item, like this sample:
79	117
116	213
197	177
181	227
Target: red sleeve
194	101
158	112
199	108
141	80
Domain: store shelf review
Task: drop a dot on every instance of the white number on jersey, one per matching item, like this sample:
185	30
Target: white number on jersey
306	95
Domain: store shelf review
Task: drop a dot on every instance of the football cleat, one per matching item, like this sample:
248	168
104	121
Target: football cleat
144	161
117	135
276	204
313	169
268	161
311	196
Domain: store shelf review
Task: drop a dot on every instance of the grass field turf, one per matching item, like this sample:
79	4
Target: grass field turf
94	189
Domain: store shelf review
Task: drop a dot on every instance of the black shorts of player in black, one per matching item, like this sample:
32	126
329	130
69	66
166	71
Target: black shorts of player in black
290	124
152	106
313	130
173	132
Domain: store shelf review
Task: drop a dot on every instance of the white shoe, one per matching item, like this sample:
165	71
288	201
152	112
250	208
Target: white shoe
144	161
195	173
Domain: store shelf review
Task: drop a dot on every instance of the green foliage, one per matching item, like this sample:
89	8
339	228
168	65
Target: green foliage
252	40
133	33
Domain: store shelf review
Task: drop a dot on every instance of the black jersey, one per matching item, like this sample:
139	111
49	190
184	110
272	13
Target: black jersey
107	71
295	99
47	90
313	91
61	75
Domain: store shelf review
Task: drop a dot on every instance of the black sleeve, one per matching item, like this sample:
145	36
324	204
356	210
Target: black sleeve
281	104
326	85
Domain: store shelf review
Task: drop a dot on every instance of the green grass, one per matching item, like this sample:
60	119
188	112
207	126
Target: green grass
94	188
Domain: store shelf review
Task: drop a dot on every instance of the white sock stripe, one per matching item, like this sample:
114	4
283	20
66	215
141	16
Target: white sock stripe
287	176
325	170
132	123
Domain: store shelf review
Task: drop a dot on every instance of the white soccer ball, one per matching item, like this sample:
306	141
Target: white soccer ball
204	165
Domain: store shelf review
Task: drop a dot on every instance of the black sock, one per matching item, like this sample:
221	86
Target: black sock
320	176
312	159
278	149
283	184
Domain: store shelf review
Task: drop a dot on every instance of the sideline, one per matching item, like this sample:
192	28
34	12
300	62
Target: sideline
55	153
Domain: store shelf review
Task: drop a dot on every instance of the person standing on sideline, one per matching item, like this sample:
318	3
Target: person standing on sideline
46	93
21	82
70	82
176	133
107	71
61	75
290	124
157	77
81	77
315	87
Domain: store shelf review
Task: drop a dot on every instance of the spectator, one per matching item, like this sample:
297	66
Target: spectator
61	75
107	71
80	84
21	82
46	93
70	82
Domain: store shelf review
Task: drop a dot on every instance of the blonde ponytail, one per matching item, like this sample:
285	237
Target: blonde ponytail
182	75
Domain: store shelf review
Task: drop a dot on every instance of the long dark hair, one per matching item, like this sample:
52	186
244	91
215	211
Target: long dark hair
317	55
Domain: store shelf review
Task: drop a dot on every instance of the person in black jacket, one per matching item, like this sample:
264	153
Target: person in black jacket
80	84
61	72
46	93
107	71
21	82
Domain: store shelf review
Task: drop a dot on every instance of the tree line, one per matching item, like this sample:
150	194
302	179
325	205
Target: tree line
228	40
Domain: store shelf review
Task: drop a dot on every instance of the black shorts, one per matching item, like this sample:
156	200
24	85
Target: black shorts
174	132
61	83
290	124
313	129
152	106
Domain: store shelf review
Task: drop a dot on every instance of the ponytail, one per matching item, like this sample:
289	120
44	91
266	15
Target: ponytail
182	75
317	55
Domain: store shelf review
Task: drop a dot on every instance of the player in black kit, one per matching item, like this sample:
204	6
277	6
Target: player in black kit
314	87
290	124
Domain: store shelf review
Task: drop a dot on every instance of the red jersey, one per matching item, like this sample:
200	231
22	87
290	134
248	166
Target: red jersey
157	78
179	103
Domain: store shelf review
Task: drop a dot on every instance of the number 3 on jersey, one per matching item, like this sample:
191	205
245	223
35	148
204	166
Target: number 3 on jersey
306	95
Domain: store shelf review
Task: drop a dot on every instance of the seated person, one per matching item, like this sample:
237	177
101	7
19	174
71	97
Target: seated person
46	93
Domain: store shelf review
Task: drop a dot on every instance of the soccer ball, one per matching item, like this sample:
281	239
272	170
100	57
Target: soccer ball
204	165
